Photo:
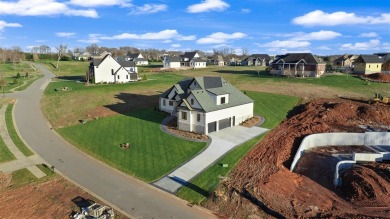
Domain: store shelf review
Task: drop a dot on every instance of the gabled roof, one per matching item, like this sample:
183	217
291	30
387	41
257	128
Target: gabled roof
209	86
260	56
198	60
127	63
133	55
296	57
98	61
189	55
174	59
369	59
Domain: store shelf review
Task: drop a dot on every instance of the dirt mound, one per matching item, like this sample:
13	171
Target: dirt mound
262	183
367	184
379	77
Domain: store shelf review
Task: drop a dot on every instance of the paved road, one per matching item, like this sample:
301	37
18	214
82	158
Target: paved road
221	142
138	199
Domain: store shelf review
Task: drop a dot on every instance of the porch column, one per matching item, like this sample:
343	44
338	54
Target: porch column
190	115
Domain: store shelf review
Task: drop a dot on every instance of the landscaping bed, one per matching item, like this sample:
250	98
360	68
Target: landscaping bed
262	185
380	77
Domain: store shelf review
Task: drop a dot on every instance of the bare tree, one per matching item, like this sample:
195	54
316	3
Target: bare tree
44	49
61	50
93	49
244	51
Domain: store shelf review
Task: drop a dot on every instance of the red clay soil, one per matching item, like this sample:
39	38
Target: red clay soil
379	77
261	185
50	199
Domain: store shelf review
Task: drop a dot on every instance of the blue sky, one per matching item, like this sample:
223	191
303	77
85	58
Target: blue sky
262	26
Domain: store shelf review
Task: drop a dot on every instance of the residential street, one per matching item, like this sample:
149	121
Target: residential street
136	198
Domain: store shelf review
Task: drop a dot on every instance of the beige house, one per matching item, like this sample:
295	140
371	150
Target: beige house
345	60
368	64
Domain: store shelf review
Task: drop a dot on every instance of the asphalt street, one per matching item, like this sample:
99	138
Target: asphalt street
137	199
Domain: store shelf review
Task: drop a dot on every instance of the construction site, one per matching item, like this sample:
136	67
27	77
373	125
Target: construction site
269	182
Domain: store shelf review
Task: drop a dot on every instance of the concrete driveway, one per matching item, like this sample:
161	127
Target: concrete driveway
221	143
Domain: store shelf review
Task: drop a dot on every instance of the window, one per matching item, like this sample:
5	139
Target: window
118	76
164	103
369	66
184	115
377	66
198	117
195	83
127	76
223	100
171	103
192	101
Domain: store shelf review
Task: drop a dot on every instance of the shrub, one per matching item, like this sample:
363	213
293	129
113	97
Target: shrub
18	75
16	81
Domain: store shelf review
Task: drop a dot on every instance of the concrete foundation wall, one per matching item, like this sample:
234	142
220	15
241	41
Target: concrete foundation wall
368	157
340	139
341	165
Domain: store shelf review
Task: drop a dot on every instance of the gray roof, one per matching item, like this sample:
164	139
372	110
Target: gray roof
260	56
133	55
236	97
296	57
127	63
188	55
98	61
174	59
198	60
369	59
180	87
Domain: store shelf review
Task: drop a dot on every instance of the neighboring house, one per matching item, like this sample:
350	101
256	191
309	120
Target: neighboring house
187	60
345	61
108	70
220	60
82	56
138	58
386	64
367	64
298	64
206	104
172	62
257	60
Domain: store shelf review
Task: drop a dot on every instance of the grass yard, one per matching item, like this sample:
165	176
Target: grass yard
152	153
24	176
5	153
13	134
274	108
209	179
9	72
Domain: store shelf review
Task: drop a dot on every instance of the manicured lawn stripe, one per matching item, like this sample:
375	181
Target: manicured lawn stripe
152	154
13	134
5	153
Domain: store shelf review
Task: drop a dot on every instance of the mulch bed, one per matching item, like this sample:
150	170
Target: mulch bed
172	128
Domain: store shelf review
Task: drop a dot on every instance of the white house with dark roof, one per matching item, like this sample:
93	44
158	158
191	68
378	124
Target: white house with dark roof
186	60
137	58
108	70
206	104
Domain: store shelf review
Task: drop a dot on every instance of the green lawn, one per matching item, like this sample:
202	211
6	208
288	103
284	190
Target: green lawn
274	108
5	153
9	72
13	134
152	153
24	176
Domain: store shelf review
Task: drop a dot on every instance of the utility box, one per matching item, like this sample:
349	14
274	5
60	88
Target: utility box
225	165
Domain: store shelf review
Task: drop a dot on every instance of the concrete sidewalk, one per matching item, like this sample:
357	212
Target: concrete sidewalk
222	142
21	161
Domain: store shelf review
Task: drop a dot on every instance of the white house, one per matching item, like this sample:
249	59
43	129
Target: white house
108	70
138	58
186	60
206	104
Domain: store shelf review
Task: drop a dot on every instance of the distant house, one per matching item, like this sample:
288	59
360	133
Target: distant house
108	70
137	58
298	65
220	60
367	64
386	64
257	60
187	60
206	104
345	61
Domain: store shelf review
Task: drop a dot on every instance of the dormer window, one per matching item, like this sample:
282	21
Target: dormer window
223	100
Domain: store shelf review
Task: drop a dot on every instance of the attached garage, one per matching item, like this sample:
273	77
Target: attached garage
224	123
212	127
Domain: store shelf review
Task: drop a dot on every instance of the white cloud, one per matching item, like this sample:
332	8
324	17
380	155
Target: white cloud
92	38
320	18
42	8
175	45
320	35
208	5
162	35
149	9
65	34
219	38
285	44
4	24
245	10
100	3
167	41
369	35
372	44
324	48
